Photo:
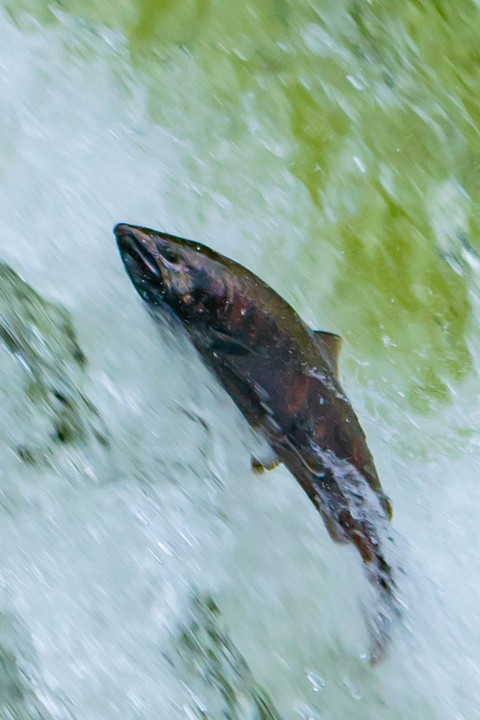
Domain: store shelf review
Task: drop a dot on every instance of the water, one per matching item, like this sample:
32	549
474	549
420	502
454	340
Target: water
333	150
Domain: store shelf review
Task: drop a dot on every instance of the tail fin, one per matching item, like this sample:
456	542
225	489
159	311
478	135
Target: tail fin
355	512
371	535
387	609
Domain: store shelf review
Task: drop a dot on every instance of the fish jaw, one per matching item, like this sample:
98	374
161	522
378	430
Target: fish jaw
141	261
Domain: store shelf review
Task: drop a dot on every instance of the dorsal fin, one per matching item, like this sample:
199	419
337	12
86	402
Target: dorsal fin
330	346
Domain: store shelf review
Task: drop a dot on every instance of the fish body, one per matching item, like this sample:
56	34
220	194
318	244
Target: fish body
283	376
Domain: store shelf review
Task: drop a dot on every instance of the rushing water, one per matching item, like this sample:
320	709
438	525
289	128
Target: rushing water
333	148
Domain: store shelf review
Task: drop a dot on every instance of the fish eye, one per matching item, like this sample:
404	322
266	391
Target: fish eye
172	256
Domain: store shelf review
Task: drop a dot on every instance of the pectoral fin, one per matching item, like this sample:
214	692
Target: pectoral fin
330	346
228	345
265	460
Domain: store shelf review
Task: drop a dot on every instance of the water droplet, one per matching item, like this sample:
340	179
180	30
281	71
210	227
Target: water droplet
352	688
304	712
359	164
318	683
357	84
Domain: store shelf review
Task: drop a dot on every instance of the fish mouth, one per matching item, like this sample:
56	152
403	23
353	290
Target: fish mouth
138	254
132	245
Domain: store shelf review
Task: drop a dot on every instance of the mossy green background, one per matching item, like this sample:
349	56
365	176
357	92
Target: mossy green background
374	108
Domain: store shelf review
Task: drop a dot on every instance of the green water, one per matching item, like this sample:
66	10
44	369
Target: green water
374	108
333	148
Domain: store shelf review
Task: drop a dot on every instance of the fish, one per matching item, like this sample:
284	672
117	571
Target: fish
284	378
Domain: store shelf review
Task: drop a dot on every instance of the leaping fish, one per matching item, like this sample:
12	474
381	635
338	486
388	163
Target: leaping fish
283	376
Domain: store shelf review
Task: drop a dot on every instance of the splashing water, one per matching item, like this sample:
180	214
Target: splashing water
334	152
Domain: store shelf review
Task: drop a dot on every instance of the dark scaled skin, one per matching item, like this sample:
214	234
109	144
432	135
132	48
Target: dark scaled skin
283	377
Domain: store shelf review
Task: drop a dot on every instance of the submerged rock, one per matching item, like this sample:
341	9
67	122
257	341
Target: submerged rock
18	700
49	365
220	683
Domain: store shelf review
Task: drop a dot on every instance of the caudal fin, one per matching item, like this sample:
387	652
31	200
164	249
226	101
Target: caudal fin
385	610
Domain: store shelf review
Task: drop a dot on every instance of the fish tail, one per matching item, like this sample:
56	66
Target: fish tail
387	610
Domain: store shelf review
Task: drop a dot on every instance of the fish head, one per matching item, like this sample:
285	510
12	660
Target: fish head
167	270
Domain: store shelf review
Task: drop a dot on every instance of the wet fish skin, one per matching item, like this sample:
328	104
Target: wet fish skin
283	377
